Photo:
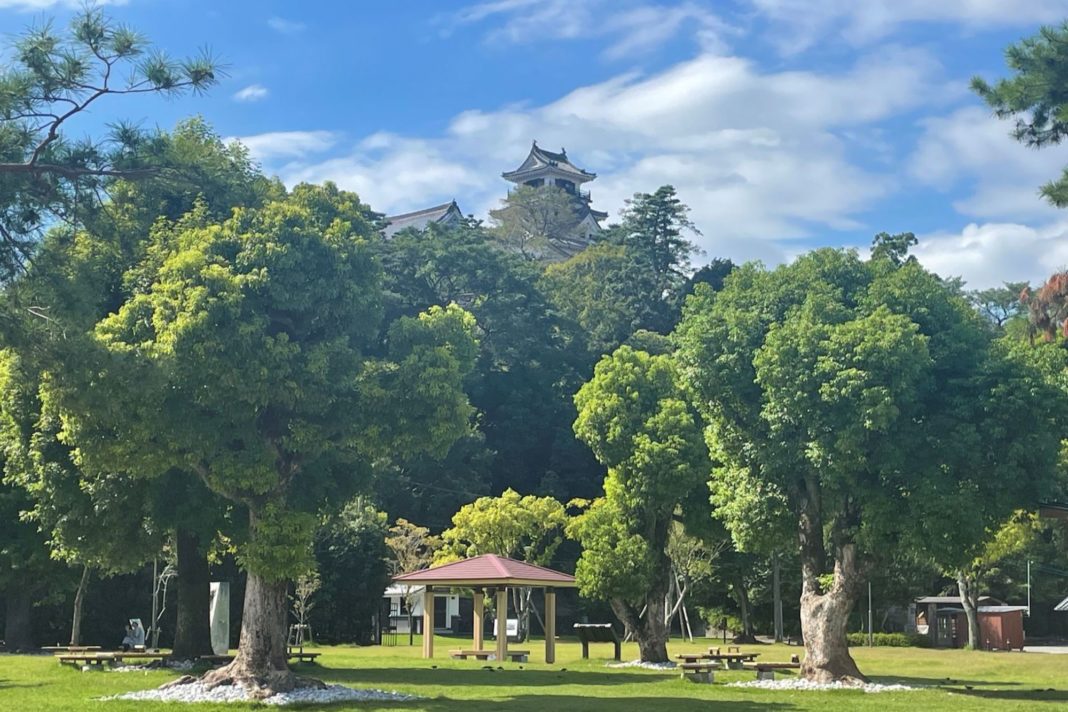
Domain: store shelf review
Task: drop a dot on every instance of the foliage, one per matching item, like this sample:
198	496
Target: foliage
891	640
1001	304
893	248
50	79
1048	307
528	366
537	223
525	528
1033	96
353	561
868	401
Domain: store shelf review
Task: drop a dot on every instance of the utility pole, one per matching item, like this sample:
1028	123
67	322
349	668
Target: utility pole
871	633
777	597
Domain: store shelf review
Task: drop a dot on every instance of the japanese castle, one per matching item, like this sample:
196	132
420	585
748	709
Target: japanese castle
540	169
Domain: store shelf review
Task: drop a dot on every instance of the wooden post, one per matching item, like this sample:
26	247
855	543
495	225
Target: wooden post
428	622
550	625
502	623
480	609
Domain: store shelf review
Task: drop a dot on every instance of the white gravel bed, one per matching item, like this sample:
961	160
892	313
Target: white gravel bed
197	692
648	666
798	683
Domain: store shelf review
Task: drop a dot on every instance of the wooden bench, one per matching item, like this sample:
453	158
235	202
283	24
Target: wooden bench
117	657
71	648
733	661
302	657
516	656
692	657
698	672
766	671
598	633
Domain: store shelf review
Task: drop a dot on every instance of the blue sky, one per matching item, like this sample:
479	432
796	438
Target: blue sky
784	124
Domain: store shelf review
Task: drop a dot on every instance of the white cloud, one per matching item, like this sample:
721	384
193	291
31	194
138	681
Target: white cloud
988	254
802	23
286	27
973	150
757	155
287	145
631	27
253	92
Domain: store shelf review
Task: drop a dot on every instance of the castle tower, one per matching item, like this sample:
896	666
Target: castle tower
546	168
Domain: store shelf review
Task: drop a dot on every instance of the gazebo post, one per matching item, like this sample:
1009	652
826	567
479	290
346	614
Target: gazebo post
428	622
480	609
502	623
550	625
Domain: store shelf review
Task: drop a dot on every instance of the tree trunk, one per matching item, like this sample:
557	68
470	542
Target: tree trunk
261	665
776	584
18	626
825	616
192	631
742	593
969	598
79	599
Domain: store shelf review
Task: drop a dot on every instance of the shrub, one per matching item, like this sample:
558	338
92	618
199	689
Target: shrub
891	640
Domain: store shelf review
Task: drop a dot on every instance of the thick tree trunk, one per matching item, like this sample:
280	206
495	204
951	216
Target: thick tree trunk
261	665
648	629
18	625
192	632
79	600
825	616
969	598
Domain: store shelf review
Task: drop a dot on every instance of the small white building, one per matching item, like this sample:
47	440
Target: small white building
447	605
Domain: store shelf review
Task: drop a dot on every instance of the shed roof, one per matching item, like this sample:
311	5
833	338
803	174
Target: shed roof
949	600
488	570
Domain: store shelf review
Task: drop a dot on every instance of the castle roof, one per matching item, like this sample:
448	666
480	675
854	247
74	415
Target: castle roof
419	219
539	159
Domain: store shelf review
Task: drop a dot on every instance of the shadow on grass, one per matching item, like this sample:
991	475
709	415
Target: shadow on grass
578	703
1028	694
946	682
452	677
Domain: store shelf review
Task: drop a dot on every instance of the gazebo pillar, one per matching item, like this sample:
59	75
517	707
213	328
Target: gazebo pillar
502	623
428	622
480	610
550	625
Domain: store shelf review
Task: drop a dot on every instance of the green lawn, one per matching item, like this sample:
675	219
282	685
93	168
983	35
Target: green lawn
958	680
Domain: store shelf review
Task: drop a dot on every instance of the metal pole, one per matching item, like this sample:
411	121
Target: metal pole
871	632
777	595
1028	589
155	603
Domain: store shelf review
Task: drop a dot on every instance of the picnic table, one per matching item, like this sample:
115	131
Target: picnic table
71	648
692	657
733	661
516	656
117	657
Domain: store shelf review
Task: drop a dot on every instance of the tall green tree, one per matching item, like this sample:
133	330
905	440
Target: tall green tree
859	397
1033	96
537	224
525	528
530	362
1000	305
48	81
256	359
636	417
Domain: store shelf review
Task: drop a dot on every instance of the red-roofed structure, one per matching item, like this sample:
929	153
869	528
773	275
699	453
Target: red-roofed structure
495	573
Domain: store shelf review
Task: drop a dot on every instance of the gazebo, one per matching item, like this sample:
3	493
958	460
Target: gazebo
489	574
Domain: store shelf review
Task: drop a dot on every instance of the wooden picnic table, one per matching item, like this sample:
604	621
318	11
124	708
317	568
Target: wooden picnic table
693	657
698	671
71	648
516	656
733	661
97	658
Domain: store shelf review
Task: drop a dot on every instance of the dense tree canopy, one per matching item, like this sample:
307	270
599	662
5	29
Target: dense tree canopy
867	399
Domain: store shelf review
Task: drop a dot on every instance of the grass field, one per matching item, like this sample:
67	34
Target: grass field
954	680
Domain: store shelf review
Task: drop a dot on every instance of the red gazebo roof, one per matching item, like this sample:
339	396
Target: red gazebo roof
488	570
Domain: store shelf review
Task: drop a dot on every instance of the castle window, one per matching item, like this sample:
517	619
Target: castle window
536	183
566	185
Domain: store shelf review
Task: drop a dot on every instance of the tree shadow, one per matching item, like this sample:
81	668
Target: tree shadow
578	703
1034	694
509	677
942	682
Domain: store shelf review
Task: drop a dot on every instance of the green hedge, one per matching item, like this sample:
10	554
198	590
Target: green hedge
891	640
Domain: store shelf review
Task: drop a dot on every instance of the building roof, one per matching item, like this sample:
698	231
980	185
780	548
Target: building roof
949	600
488	570
421	218
539	159
1062	606
1001	609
